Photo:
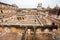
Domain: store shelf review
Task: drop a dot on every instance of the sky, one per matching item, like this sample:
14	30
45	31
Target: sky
32	3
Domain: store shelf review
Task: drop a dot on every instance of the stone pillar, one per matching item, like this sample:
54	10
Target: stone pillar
29	31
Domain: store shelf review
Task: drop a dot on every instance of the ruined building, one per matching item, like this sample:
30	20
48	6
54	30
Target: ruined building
26	22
